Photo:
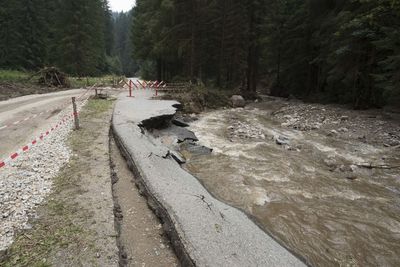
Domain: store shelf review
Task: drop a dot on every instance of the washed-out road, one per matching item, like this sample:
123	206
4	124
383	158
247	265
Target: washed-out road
204	230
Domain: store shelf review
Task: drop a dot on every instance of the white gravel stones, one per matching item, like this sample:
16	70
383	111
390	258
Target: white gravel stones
371	126
244	130
27	180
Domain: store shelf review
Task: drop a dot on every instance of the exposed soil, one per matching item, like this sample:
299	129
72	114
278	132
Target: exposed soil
11	90
141	238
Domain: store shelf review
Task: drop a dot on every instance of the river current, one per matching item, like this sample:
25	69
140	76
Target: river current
323	214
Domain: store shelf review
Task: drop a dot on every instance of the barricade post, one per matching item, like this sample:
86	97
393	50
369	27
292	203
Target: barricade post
130	88
76	119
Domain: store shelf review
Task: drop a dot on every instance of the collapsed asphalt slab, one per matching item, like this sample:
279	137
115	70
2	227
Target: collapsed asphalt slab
204	231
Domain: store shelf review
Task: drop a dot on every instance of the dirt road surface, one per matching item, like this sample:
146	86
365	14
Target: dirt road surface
14	114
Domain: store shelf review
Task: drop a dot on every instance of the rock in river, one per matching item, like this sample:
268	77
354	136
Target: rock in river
179	122
238	101
195	149
182	134
282	140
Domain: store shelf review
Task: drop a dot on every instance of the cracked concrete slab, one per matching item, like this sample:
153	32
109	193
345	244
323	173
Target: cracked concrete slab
204	230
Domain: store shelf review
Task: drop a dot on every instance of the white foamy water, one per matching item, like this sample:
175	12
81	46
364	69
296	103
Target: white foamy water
303	195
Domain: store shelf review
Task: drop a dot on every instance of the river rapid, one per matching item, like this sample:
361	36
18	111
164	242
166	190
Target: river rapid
305	188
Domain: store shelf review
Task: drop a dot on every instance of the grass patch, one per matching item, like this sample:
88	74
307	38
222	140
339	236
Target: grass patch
108	80
96	106
15	83
14	76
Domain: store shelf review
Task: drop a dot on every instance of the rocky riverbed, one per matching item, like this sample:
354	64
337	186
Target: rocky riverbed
369	126
323	179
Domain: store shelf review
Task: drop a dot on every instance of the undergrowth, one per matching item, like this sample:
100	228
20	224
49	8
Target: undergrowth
198	99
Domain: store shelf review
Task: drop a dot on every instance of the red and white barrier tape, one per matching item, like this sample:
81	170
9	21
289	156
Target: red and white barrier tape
146	84
29	146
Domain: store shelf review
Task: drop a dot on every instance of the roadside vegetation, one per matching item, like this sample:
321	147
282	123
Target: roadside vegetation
27	77
106	80
200	98
322	51
14	76
15	83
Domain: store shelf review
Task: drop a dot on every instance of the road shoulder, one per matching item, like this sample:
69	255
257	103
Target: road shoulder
75	225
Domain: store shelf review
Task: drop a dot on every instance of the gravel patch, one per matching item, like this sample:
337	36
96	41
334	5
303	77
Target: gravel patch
26	181
369	126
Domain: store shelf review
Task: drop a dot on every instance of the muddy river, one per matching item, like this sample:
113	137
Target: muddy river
307	191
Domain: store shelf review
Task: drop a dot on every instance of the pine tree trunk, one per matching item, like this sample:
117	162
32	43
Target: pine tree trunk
252	60
222	47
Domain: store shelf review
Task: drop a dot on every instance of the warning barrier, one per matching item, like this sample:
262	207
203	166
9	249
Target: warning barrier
156	86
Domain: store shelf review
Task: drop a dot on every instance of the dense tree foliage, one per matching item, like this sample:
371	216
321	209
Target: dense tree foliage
75	35
24	33
344	51
122	48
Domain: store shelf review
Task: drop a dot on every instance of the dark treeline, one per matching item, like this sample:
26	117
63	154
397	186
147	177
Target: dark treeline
75	35
327	50
123	44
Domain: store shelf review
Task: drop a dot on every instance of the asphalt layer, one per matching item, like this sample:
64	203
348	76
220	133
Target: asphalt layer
204	231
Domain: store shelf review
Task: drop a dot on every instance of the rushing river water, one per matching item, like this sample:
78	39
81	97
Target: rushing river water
323	215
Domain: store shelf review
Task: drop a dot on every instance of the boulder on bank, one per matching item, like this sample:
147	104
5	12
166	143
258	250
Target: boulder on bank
238	101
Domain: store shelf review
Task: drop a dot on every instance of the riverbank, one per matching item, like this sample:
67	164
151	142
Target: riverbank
323	179
203	230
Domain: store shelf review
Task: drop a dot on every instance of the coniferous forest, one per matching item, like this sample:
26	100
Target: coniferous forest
82	37
344	51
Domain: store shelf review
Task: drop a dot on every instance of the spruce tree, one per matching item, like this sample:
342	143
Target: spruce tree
80	31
